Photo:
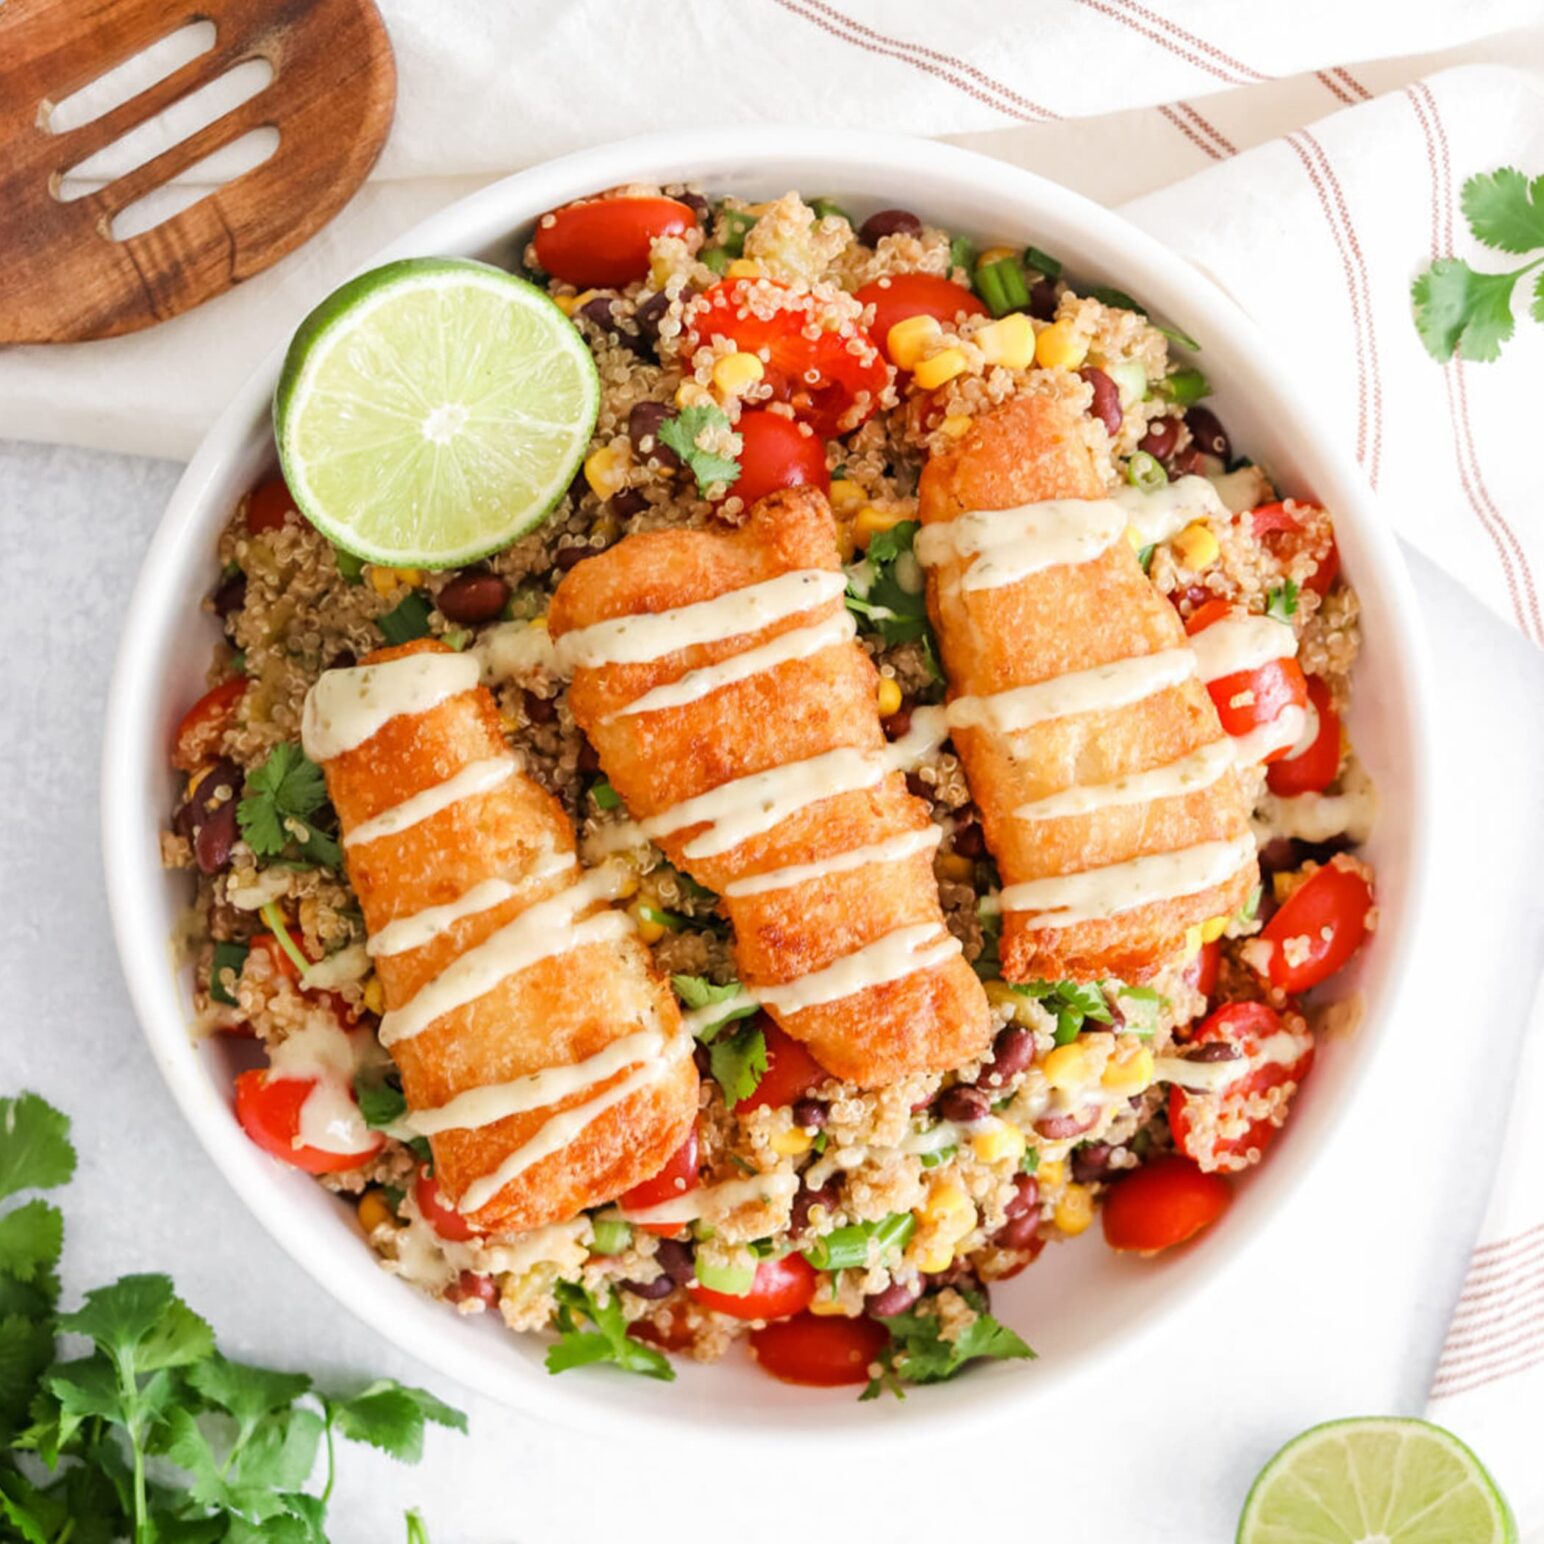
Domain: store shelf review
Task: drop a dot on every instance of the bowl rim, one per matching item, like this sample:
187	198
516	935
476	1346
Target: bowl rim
477	222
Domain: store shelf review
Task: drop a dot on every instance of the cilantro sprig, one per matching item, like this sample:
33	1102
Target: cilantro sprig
1072	1003
1281	602
1460	310
153	1435
592	1330
282	796
918	1352
681	434
738	1058
882	602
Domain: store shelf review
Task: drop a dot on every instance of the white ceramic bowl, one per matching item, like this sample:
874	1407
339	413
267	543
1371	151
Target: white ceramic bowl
1081	1302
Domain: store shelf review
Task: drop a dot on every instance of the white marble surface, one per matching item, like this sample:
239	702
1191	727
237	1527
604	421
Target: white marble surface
1339	1311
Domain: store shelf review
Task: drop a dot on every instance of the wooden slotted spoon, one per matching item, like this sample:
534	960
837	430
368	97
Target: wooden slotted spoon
65	277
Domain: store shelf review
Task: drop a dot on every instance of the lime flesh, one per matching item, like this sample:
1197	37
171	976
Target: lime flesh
432	411
1375	1481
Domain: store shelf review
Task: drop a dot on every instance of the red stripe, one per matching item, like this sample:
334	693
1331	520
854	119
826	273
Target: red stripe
1205	146
1470	1301
1248	72
1482	1271
1166	43
1506	1245
956	72
1522	1308
1525	1344
1352	83
1209	128
1510	1371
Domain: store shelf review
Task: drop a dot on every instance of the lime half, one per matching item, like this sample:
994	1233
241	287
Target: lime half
1375	1481
433	410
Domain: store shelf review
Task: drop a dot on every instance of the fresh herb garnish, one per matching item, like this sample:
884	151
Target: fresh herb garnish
1281	602
681	433
1460	310
897	612
233	1446
1072	1002
738	1059
407	620
606	1340
227	956
918	1352
381	1104
281	796
856	1244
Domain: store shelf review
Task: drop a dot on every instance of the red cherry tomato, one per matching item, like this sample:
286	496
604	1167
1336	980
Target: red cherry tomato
269	505
283	965
677	1338
603	243
437	1211
1313	769
1247	700
677	1177
818	1352
1201	972
777	453
269	1112
832	382
1247	1026
1320	925
1163	1204
915	294
781	1288
791	1071
470	1287
198	735
1277	528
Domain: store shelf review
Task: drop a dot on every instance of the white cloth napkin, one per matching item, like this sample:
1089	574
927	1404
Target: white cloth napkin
1310	186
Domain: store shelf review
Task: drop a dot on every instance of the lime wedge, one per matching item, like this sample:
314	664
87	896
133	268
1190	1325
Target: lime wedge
433	410
1375	1481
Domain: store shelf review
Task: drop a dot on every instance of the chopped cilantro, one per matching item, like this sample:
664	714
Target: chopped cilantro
918	1352
1072	1002
875	593
381	1104
860	1242
227	956
681	434
738	1059
1281	602
280	796
606	1340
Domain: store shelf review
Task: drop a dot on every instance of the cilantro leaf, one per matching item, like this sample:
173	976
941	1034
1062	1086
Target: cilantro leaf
1505	210
391	1416
280	796
918	1352
1459	310
1536	310
30	1240
607	1341
246	1393
896	611
738	1061
26	1349
381	1104
35	1150
699	992
1281	603
1140	1006
680	434
142	1324
1071	1002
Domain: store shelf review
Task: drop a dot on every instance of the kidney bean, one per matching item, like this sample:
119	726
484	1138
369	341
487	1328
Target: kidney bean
344	659
470	1287
649	315
917	788
1160	438
473	598
889	222
1106	404
812	1114
970	841
208	818
677	1260
539	710
799	1213
566	558
698	205
215	837
898	725
1043	299
1057	1128
1012	1051
1091	1161
589	758
964	1103
961	1275
1026	1196
650	1291
643	425
1018	1232
1187	462
601	309
1213	1051
896	1298
1207	431
230	596
627	503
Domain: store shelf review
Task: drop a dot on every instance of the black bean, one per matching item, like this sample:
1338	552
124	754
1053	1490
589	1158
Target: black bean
649	315
677	1260
651	1291
643	425
1160	438
1106	404
229	596
799	1212
601	309
1091	1161
918	788
567	557
1012	1052
970	840
538	710
1026	1196
1043	299
889	222
896	1298
811	1114
627	503
589	759
698	205
964	1103
344	659
473	598
1213	1051
1207	431
1018	1232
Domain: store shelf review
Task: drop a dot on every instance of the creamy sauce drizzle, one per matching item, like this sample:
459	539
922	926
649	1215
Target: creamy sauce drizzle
1241	643
1319	817
1116	685
714	1201
474	778
645	636
1187	775
330	1118
1011	544
895	850
347	707
1119	887
1285	729
1280	1049
890	958
1168	509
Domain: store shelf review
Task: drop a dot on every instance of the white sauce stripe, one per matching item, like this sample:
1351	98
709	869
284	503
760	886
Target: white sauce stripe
1168	509
1011	544
1119	887
715	1201
1189	774
1241	643
797	643
635	640
896	955
1280	1049
1115	685
563	1129
347	707
475	777
895	850
479	1107
1283	730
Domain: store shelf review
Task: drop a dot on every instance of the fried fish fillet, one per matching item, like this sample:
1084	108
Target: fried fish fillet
512	839
782	693
1072	617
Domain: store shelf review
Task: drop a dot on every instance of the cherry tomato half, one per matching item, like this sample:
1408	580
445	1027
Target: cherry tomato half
777	453
269	1112
1310	767
781	1288
198	735
791	1071
283	965
1201	972
269	505
832	382
1320	925
819	1352
437	1211
678	1176
1163	1204
603	243
1282	530
915	294
1247	700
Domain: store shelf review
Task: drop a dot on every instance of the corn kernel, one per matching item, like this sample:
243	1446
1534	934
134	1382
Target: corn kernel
1009	341
1059	348
374	1210
195	778
735	373
1129	1071
375	996
692	393
824	1306
567	304
847	497
1001	995
790	1143
871	520
1192	942
383	581
1070	1066
948	1205
1000	1141
1051	1174
995	255
649	929
933	1258
1074	1209
1284	882
956	425
889	697
846	545
540	622
605	471
1197	546
1135	538
743	268
941	367
955	866
1213	929
906	342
